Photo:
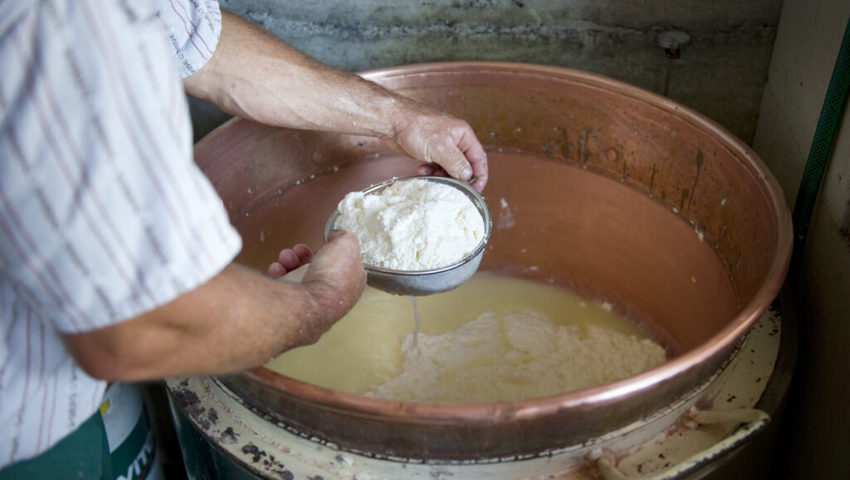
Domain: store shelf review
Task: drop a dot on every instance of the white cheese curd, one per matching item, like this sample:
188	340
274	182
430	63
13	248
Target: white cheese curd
412	225
514	356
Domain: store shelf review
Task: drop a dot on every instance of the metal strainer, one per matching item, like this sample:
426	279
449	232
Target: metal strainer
426	282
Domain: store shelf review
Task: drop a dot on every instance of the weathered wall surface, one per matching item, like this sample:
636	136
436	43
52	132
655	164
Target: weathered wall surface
721	72
807	44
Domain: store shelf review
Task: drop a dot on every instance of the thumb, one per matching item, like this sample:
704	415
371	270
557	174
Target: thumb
342	246
453	161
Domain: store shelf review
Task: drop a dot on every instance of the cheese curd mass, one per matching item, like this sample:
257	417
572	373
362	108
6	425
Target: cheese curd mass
514	356
412	225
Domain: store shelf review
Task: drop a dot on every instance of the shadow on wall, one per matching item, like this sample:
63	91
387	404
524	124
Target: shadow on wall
721	72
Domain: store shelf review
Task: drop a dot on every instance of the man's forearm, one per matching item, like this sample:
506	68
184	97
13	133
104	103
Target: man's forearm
235	321
238	319
255	76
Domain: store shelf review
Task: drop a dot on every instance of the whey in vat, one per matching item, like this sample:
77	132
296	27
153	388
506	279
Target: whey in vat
493	338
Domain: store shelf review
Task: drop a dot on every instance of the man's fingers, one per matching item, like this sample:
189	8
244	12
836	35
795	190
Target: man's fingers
462	156
275	270
477	158
456	164
305	254
432	169
290	259
437	138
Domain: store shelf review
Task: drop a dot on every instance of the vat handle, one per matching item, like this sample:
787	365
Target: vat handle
752	421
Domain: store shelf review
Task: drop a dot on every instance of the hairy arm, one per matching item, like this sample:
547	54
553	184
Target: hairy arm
254	75
238	319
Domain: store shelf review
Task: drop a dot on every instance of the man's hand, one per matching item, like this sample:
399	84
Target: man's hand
445	144
335	277
336	271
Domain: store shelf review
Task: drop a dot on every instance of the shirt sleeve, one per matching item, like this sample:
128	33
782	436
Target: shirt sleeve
103	212
193	29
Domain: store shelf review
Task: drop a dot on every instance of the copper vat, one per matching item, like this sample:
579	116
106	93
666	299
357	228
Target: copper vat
597	186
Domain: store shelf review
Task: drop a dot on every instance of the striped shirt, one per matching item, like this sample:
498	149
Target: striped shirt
103	213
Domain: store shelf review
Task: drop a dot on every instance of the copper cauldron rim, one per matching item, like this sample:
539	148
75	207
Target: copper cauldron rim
380	426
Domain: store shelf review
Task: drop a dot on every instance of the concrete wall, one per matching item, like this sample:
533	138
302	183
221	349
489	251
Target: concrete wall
807	42
721	73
